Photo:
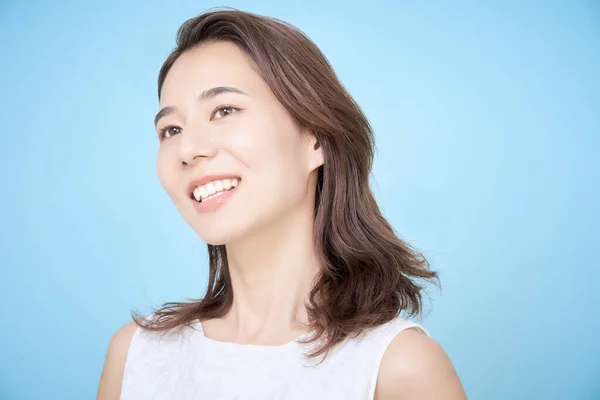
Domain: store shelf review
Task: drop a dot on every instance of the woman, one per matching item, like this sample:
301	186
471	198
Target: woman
267	157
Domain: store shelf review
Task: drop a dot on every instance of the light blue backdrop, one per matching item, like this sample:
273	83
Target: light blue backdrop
487	121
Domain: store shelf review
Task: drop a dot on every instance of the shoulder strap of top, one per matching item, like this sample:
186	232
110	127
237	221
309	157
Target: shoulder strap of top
383	338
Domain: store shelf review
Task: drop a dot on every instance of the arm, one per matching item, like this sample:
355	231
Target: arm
415	367
111	379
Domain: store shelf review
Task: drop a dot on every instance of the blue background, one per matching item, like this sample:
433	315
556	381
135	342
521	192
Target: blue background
487	118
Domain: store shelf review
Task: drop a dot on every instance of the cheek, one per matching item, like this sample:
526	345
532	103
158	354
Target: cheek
276	169
264	141
270	152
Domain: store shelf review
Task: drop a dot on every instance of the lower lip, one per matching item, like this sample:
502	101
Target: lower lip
215	202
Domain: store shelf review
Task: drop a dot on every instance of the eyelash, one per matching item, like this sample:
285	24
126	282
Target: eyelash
164	130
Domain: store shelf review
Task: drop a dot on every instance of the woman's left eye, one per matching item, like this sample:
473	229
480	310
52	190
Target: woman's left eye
223	112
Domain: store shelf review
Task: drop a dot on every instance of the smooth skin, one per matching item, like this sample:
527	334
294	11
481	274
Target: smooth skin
267	225
111	379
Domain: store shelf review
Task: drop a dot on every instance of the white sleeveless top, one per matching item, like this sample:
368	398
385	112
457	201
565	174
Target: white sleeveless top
191	366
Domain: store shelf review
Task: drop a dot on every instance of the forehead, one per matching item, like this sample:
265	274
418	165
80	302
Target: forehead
209	65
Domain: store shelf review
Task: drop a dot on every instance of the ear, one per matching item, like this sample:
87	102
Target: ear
315	150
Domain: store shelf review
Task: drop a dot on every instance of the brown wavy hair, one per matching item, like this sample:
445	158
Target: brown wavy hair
368	274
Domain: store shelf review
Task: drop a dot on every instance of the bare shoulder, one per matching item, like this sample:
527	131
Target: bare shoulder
415	366
111	379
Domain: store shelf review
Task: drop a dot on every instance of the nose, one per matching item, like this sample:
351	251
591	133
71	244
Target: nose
196	143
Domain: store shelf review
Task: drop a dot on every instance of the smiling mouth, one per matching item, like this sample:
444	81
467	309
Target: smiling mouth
216	194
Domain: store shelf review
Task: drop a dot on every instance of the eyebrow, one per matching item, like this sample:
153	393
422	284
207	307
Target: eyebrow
205	95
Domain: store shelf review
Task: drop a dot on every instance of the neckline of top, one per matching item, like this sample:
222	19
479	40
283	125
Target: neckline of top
248	347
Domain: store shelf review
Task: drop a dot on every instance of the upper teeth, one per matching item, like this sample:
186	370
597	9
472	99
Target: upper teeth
213	187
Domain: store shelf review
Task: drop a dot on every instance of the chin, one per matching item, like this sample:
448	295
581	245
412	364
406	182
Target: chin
217	236
215	241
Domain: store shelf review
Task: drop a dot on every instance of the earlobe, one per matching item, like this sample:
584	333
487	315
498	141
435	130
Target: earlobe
318	154
315	152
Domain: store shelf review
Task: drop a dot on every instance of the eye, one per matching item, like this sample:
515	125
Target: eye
170	130
223	112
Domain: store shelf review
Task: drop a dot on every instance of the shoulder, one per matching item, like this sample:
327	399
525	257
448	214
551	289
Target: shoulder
114	363
416	366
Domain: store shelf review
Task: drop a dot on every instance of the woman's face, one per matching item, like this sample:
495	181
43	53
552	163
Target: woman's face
243	132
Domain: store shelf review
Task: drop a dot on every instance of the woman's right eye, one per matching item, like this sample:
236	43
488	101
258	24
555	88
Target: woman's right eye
167	130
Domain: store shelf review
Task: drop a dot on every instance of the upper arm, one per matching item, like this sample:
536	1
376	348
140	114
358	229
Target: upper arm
111	379
414	366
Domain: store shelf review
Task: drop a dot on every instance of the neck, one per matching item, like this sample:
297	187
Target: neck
272	273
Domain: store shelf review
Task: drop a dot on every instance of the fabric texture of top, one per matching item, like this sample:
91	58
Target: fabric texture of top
191	366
